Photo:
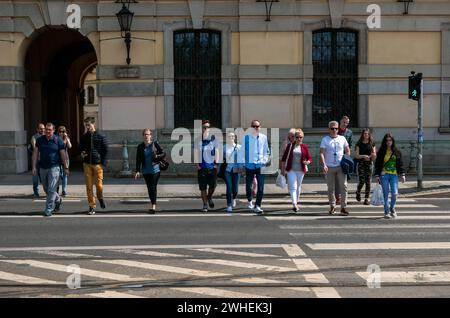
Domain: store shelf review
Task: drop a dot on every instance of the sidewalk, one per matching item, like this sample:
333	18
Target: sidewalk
19	186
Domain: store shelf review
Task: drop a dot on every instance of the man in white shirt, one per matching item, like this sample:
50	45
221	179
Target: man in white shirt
257	154
332	149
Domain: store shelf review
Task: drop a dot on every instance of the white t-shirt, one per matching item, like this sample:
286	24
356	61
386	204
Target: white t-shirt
334	149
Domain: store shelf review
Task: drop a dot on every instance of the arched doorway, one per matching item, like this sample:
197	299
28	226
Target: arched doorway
57	62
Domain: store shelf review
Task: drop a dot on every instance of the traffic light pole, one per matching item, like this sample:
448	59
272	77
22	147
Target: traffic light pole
420	139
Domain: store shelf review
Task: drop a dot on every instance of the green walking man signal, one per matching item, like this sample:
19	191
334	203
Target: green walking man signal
414	86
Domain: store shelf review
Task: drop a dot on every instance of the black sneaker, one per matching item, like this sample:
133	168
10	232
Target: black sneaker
91	211
205	208
102	203
58	205
358	196
63	193
211	203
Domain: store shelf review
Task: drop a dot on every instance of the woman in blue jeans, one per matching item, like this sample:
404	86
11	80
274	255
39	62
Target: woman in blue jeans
232	153
388	168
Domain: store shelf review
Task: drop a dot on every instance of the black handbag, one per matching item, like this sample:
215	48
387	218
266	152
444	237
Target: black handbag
163	163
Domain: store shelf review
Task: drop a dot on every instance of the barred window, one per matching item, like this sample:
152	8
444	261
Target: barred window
335	62
197	63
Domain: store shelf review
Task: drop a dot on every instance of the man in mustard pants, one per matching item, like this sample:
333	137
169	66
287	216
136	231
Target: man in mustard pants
94	149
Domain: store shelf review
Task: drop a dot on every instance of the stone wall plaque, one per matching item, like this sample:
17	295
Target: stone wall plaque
127	72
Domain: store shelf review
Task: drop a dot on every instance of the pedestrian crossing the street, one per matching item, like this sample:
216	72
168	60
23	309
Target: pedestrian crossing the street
321	256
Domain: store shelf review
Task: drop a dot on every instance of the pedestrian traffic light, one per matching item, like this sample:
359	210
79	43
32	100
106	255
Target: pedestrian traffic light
415	81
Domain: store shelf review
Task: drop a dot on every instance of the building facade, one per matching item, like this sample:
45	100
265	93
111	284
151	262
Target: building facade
314	61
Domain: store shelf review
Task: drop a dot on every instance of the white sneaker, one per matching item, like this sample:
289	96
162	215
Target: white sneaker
258	210
234	203
250	205
229	209
393	213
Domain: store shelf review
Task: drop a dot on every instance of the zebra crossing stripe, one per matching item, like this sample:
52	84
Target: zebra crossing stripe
257	280
113	294
136	247
312	201
411	277
316	278
379	212
293	250
366	216
325	292
65	254
64	200
28	280
143	201
149	253
227	252
392	225
380	246
361	206
163	268
84	271
221	293
305	264
365	233
321	292
244	265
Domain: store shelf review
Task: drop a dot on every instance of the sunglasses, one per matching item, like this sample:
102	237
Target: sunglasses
334	128
254	126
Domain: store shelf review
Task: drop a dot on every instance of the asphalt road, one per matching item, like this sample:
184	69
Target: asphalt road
180	252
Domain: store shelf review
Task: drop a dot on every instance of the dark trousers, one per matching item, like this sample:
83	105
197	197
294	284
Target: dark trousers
151	180
249	175
365	175
232	182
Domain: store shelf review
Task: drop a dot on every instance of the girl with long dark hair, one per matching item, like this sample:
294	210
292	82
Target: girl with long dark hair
388	168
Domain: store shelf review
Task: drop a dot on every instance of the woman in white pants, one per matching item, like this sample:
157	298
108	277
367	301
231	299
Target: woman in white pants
295	161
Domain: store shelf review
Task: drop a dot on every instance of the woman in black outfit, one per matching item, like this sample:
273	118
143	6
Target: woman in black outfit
365	153
149	154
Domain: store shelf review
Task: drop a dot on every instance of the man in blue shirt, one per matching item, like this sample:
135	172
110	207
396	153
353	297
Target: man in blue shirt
207	169
50	149
256	156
